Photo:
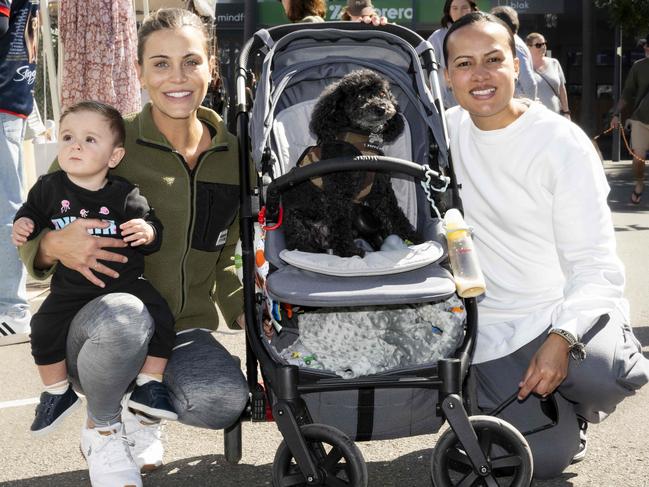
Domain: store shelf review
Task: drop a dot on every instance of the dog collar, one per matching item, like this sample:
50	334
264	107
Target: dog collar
366	143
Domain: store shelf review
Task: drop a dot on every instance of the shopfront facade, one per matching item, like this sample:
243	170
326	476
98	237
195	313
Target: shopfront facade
571	28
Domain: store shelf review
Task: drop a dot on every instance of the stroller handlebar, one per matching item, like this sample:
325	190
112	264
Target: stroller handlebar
298	175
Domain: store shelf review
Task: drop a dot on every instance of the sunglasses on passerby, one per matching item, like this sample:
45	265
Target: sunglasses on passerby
539	45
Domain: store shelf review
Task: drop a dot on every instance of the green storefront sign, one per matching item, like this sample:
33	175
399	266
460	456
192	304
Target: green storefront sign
416	14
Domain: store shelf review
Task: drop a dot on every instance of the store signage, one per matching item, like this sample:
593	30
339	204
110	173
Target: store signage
229	15
534	6
398	11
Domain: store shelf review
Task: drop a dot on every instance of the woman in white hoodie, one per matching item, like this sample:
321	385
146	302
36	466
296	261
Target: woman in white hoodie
554	319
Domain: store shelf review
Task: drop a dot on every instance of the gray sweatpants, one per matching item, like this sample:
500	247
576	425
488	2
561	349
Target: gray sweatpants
614	368
106	347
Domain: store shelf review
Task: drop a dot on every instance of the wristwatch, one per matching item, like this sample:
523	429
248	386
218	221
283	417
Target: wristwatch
564	112
577	350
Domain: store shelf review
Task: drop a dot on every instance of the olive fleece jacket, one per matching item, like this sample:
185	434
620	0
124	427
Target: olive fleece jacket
194	269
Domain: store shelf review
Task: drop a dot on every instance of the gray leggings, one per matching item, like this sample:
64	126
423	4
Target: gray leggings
614	368
106	347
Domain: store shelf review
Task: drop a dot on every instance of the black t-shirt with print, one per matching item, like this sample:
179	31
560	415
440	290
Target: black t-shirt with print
55	202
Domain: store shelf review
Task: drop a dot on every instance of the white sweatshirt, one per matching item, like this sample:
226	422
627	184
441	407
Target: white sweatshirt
535	194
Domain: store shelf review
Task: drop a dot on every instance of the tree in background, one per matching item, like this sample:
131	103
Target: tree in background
631	15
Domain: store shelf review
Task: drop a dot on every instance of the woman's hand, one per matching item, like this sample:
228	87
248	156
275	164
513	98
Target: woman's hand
373	19
548	368
76	249
137	232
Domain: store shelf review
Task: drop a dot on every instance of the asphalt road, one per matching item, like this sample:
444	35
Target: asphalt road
617	455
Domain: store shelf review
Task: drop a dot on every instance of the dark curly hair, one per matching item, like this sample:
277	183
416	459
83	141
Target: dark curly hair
355	94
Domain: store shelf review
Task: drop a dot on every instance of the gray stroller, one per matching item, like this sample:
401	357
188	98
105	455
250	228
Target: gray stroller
320	411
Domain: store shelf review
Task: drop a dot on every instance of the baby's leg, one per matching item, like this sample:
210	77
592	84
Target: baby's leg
154	366
150	395
49	332
53	373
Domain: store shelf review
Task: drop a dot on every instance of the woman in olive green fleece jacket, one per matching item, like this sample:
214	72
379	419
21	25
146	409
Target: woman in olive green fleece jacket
186	163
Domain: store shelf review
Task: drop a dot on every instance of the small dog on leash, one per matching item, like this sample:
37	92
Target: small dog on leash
353	116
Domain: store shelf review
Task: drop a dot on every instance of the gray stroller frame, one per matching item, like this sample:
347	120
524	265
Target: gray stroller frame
318	413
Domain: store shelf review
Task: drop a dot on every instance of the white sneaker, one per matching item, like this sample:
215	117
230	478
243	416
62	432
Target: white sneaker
144	440
14	329
110	463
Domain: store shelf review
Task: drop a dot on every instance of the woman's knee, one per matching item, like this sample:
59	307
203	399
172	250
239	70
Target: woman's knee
223	405
118	320
215	404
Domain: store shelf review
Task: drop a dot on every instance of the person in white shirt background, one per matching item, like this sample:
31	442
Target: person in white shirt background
534	190
525	80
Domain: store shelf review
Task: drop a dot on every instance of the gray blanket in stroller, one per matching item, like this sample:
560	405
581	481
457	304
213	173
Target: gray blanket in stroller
354	342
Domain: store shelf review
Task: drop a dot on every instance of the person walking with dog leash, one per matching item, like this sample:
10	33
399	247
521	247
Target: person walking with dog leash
636	94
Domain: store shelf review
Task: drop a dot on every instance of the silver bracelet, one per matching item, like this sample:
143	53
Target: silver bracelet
576	350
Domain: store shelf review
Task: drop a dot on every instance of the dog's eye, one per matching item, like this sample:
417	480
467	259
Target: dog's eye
383	94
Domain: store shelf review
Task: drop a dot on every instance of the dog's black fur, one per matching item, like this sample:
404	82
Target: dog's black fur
318	220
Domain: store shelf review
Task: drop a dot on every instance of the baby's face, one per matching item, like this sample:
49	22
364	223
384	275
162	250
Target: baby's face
86	147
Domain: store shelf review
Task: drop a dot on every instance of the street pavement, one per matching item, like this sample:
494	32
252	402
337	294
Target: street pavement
617	448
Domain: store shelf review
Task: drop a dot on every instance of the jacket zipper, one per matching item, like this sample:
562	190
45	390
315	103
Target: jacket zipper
190	229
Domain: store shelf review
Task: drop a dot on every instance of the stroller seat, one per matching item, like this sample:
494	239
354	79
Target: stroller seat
428	283
291	138
306	288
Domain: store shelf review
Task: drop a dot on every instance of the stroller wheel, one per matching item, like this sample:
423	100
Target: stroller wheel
507	452
338	459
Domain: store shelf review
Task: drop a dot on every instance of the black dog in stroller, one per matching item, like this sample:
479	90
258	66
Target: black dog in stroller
354	116
318	412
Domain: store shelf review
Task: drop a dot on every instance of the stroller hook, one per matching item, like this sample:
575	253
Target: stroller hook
261	218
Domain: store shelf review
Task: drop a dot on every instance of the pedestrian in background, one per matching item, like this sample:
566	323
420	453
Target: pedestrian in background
357	9
551	83
636	96
526	81
18	50
453	10
305	10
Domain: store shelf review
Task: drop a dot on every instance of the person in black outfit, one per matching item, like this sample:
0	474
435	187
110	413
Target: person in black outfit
91	142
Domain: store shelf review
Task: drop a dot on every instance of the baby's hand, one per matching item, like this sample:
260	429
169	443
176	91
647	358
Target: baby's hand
137	232
22	229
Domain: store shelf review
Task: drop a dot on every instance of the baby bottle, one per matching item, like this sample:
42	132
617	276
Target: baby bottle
464	261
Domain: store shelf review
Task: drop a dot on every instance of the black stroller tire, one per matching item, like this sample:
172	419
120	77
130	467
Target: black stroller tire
318	436
515	463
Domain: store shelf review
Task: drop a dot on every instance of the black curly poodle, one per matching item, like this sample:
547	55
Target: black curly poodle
353	116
